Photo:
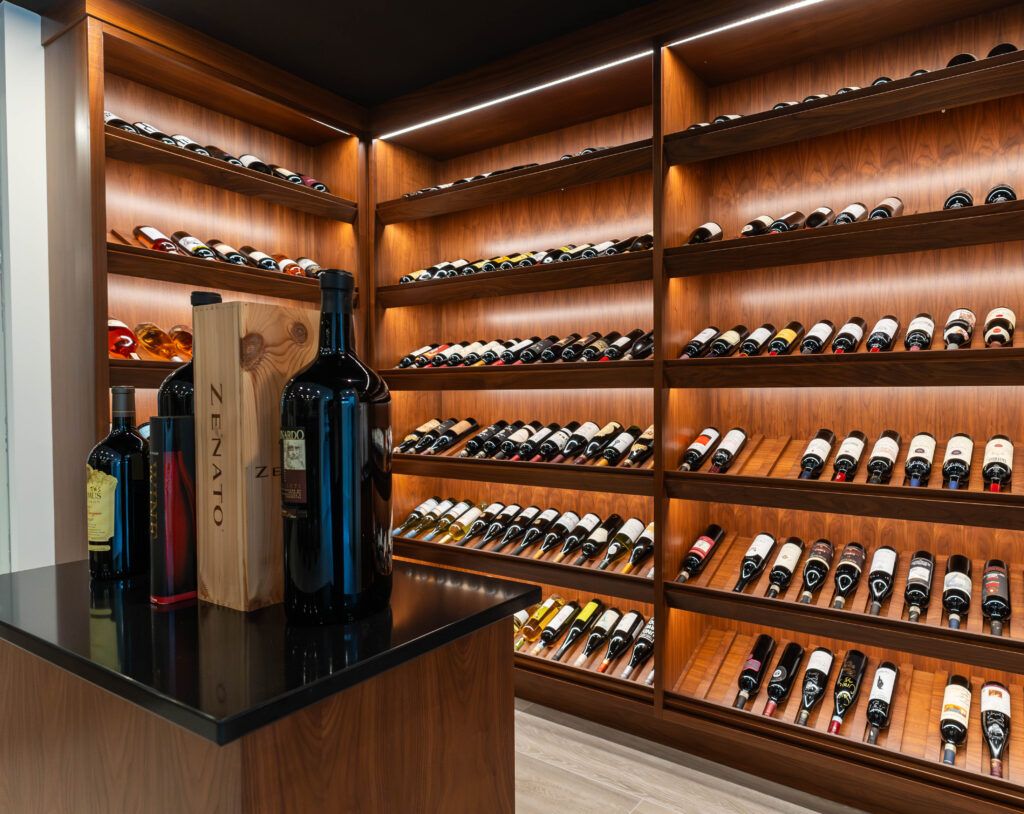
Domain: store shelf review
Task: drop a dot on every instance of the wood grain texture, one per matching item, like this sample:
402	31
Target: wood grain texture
537	376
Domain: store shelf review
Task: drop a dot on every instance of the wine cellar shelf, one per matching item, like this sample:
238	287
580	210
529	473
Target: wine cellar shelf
567	376
142	375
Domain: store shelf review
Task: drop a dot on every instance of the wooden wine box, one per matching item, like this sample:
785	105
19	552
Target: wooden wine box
246	352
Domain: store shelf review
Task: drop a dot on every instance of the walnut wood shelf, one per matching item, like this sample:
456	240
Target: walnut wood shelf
571	376
976	367
142	374
138	149
944	89
633	689
612	480
923	231
135	261
585	169
597	271
524	567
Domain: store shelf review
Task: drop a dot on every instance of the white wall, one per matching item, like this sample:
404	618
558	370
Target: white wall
25	297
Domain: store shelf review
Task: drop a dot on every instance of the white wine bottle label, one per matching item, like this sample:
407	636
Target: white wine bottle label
883	685
509	511
622	342
527	515
818	447
587	431
852	447
192	243
470	517
962	315
854	330
885	447
458	509
599	535
590	522
447	353
957	580
548	514
821	331
100	491
248	160
648	434
284	171
789	556
559	438
561	616
568	520
999	450
956	704
153	234
494	508
923	324
520	618
519	435
730	337
427	505
442	507
600	247
521	345
417	352
884	559
760	546
995	698
649	531
919	572
760	336
820	659
621	443
731	442
293	465
495	346
259	256
607	619
473	347
923	446
960	448
854	210
703	442
704	335
307	264
627	621
1002	313
886	326
631	529
422	429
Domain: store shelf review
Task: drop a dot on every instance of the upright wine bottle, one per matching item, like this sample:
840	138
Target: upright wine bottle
700	552
577	441
883	334
176	396
881	577
995	723
959	328
919	333
997	465
622	543
819	668
581	623
847	687
643	649
817	452
848	456
918	591
817	338
816	568
882	460
757	341
781	573
705	233
852	214
999	325
786	340
782	678
599	633
920	455
621	638
891	207
700	344
695	454
117	495
754	669
789	222
850	335
727	342
995	595
956	589
476	443
847	573
956	713
725	453
598	442
754	560
880	699
956	464
416	515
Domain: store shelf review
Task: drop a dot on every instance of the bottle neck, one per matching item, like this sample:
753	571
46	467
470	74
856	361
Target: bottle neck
337	334
122	421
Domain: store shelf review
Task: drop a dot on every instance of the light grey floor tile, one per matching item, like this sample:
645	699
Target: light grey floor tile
543	788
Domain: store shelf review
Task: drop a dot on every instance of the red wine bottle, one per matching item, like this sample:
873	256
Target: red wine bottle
727	342
918	590
995	595
891	207
754	560
959	328
882	460
956	464
883	334
848	571
1000	193
995	723
782	678
816	568
819	667
852	214
700	344
883	685
643	649
817	338
754	669
817	452
881	577
781	573
758	226
822	216
701	552
920	455
849	337
789	222
786	340
956	589
955	716
999	325
493	444
959	199
847	687
997	465
705	233
920	332
573	539
725	454
848	456
602	438
695	454
757	340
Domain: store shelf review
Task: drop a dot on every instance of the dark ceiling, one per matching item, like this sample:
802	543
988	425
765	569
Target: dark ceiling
369	52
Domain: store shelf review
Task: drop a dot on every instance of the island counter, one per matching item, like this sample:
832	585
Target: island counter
109	704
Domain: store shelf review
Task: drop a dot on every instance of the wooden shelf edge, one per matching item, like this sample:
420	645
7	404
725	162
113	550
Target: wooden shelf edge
610	270
944	89
919	232
623	586
931	368
600	166
143	374
618	687
982	650
983	509
575	376
138	149
611	480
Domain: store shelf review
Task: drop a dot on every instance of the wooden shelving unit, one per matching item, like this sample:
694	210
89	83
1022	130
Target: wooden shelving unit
537	376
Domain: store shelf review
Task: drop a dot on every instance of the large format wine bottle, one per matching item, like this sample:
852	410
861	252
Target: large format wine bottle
956	712
336	474
176	395
819	667
848	682
783	676
880	699
117	495
995	723
754	669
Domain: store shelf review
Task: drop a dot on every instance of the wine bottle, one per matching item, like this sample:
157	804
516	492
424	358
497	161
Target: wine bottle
999	325
227	253
409	358
754	669
259	259
881	577
574	352
959	328
157	342
149	130
113	120
850	335
782	105
641	449
995	595
555	442
758	226
817	338
176	395
882	460
424	359
918	591
754	560
512	442
700	344
1002	48
537	529
695	454
476	351
622	543
285	174
727	342
493	444
891	207
532	353
956	712
705	233
847	687
217	152
883	685
598	540
598	442
642	348
117	495
581	623
189	144
642	549
758	339
782	678
621	638
450	437
725	117
847	459
430	519
822	216
193	246
557	533
528	448
510	355
253	163
847	573
643	243
531	629
599	634
574	539
621	246
995	723
427	439
493	350
643	649
475	444
494	518
597	348
553	353
700	552
416	515
956	464
1000	193
155	240
997	468
458	528
852	214
819	667
816	568
725	454
786	340
783	568
444	522
557	627
788	223
956	589
961	59
960	199
515	529
814	97
441	359
312	183
413	437
883	334
459	357
920	332
817	452
577	441
920	455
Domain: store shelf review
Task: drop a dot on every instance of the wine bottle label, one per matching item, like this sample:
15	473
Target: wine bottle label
559	438
598	536
997	334
469	517
852	447
853	555
999	451
1002	313
884	559
520	618
600	247
818	447
258	257
307	264
820	659
589	523
760	546
587	432
544	609
751	664
627	621
100	491
730	338
443	507
460	428
620	444
959	448
631	529
883	685
703	442
427	505
760	336
547	515
995	698
526	516
519	435
192	243
957	581
293	460
560	617
965	315
821	331
923	324
510	510
886	447
920	571
787	335
956	704
703	336
854	210
153	234
731	442
820	552
146	128
285	171
568	521
474	347
607	619
588	610
622	342
648	434
923	446
494	508
886	326
248	160
649	531
994	581
789	556
701	546
854	330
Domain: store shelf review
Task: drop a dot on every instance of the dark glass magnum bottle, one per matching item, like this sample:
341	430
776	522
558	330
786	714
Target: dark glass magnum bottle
176	394
336	474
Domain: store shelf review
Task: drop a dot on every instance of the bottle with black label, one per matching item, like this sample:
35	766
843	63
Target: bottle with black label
581	623
700	344
784	567
848	571
883	685
758	226
819	668
599	633
995	595
920	455
754	560
621	638
816	453
847	687
571	541
881	577
817	338
113	120
955	717
997	466
757	341
786	340
789	222
700	552
619	446
848	456
595	541
918	591
822	216
999	326
850	335
598	442
641	449
149	130
883	334
852	214
728	341
995	723
705	233
783	677
891	207
959	328
956	464
882	460
754	669
816	568
696	453
956	589
725	453
920	332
